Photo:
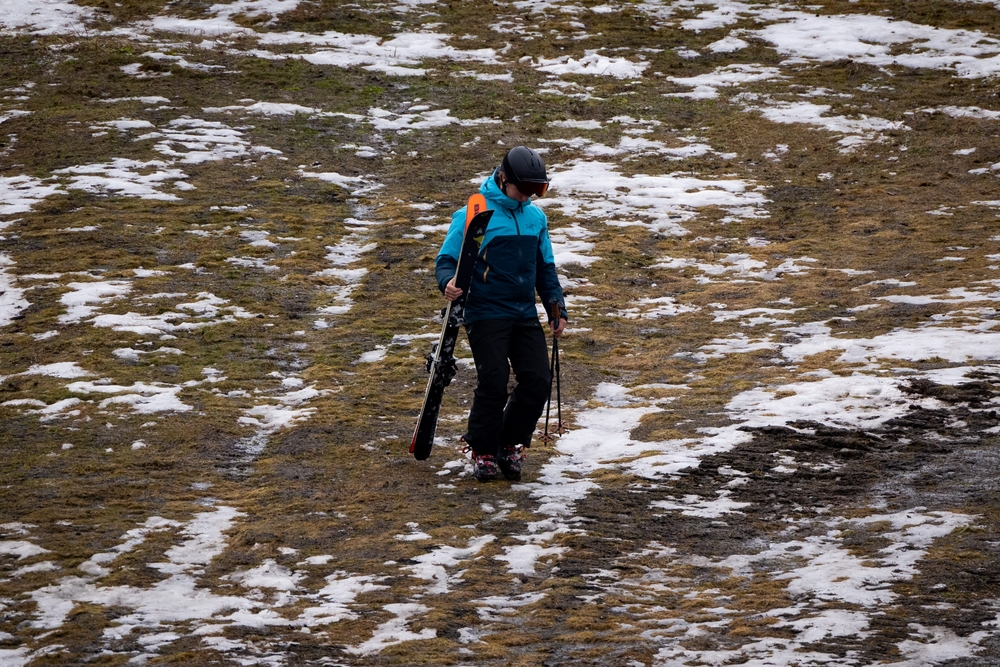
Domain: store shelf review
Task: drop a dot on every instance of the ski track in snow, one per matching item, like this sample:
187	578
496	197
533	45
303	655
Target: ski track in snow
591	193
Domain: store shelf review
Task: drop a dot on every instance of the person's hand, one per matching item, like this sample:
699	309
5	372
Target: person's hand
558	327
451	292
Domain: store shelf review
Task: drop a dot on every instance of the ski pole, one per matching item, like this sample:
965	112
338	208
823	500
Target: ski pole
548	405
554	314
559	424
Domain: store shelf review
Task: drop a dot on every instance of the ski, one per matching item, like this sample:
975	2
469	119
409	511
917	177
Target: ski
441	360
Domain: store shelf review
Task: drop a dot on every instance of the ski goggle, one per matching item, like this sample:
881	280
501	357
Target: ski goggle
529	189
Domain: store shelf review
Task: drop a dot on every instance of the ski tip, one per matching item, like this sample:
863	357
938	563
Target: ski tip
475	206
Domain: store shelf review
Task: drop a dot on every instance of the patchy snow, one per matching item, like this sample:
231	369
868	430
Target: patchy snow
145	99
269	418
177	599
434	565
854	401
252	263
21	550
651	308
594	64
125	178
12	301
415	535
357	185
857	131
596	190
372	356
45	17
258	239
334	598
221	20
267	575
396	630
929	342
495	607
285	413
86	298
522	559
485	76
18	194
12	113
834	591
348	252
736	266
143	397
267	109
196	141
728	44
576	124
706	86
568	246
823	570
124	124
129	354
707	508
399	55
209	309
388	121
61	369
630	148
881	41
965	112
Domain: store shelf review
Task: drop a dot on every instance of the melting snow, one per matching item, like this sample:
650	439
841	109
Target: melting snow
659	203
878	40
593	63
46	17
706	86
125	178
433	566
400	55
12	300
18	194
395	631
85	298
858	131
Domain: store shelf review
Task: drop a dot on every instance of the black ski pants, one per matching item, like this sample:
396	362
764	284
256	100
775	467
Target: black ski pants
498	419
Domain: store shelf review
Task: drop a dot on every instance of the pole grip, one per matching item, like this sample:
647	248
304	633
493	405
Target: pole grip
555	313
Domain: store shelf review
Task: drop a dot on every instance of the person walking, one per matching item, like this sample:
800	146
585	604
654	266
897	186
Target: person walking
501	320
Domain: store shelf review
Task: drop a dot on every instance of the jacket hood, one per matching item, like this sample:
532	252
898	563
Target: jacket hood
497	198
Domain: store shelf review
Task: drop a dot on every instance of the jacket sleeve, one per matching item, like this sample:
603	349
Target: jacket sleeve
451	249
546	278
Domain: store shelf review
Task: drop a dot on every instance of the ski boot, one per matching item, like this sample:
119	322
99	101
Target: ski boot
484	468
509	462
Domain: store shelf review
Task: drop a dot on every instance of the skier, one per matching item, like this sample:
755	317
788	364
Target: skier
501	320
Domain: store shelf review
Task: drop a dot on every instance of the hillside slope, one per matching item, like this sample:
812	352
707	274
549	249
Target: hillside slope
778	228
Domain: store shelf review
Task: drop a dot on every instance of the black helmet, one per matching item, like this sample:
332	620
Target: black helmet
524	168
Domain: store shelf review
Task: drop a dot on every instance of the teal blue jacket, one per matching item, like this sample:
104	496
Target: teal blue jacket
515	261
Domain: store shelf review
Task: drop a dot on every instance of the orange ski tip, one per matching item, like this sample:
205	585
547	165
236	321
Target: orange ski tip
475	206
